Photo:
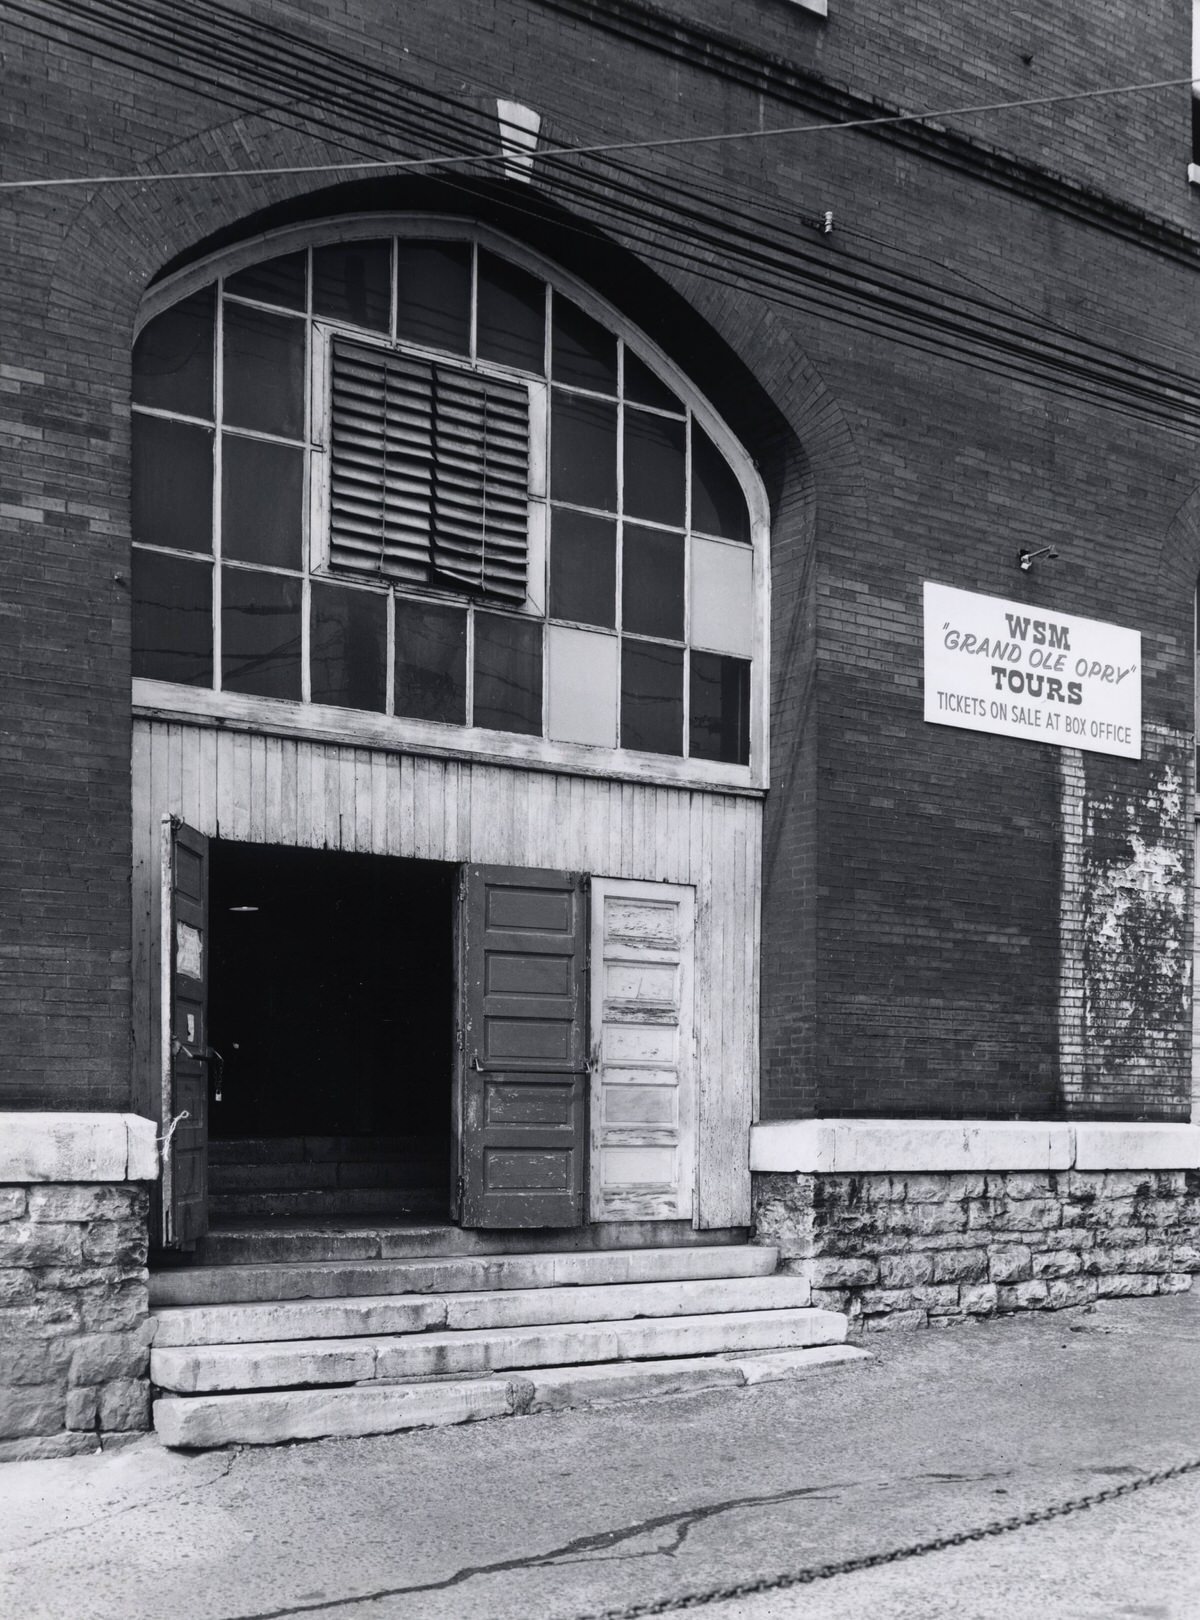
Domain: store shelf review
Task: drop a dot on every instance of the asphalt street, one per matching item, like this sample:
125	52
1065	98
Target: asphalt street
588	1513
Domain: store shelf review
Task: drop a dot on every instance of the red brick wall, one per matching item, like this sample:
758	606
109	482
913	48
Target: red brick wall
942	380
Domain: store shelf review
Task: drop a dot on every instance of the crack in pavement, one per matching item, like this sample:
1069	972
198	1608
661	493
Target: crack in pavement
155	1502
576	1551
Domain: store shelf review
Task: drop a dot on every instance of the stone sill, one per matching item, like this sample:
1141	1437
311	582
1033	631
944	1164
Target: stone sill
66	1147
871	1146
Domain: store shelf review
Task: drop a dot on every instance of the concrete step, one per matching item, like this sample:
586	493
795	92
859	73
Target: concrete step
517	1307
333	1201
249	1242
206	1421
415	1355
454	1273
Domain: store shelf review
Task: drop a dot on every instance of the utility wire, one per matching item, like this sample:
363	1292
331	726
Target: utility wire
696	240
664	143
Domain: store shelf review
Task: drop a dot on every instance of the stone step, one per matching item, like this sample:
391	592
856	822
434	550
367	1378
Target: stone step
259	1150
516	1307
206	1421
402	1358
247	1242
454	1273
308	1175
318	1201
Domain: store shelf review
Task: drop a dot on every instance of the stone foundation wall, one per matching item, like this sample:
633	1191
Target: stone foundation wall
74	1317
909	1250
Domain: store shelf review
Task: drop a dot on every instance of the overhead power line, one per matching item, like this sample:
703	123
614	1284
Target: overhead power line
663	143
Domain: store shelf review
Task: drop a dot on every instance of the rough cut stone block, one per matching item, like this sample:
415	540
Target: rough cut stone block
980	1299
1175	1282
905	1270
12	1203
16	1286
896	1319
1029	1215
960	1265
1063	1292
839	1273
1125	1285
1022	1296
34	1361
31	1409
26	1243
100	1357
116	1243
109	1310
1010	1264
43	1447
1059	1263
1021	1185
83	1408
125	1404
930	1219
1184	1257
70	1203
46	1316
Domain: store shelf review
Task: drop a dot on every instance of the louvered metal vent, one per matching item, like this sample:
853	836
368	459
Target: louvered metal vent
429	474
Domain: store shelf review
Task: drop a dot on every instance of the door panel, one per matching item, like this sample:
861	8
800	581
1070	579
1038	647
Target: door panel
523	1047
184	1033
643	1108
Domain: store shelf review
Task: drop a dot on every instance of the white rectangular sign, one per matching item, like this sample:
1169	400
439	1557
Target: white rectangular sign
1021	671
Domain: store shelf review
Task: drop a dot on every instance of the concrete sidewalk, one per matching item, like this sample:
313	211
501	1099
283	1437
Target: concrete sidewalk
580	1512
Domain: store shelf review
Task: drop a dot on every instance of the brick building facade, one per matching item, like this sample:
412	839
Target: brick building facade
921	345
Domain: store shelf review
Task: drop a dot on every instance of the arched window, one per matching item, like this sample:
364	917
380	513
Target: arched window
413	472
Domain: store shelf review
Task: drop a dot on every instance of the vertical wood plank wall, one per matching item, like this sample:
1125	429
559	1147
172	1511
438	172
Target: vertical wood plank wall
271	790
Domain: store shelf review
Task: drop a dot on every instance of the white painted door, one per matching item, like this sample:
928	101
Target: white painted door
643	1104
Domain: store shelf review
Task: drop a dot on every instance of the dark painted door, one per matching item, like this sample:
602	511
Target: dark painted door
184	1033
523	1047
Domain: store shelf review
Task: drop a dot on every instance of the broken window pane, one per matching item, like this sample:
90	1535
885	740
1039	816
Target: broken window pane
433	303
264	371
508	674
511	315
172	483
584	352
719	718
348	647
718	503
172	619
652	582
173	358
352	281
279	281
655	485
260	633
431	662
651	697
261	496
583	568
583	451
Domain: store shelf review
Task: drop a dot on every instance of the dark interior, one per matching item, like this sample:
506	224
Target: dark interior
331	994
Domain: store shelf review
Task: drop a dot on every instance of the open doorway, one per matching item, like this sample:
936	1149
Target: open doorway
332	1006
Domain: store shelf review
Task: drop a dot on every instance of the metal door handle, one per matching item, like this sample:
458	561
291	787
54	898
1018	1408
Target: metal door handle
475	1064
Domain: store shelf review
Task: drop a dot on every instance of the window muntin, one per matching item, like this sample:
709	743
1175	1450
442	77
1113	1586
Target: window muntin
621	544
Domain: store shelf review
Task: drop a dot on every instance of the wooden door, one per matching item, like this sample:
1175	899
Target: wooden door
643	1103
183	1023
522	1048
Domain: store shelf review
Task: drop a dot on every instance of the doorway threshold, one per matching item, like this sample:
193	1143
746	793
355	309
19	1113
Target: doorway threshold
253	1242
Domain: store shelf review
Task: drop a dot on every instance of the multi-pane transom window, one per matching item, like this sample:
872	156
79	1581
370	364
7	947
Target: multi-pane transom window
411	476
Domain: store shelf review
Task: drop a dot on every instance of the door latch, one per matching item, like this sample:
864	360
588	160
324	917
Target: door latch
475	1063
